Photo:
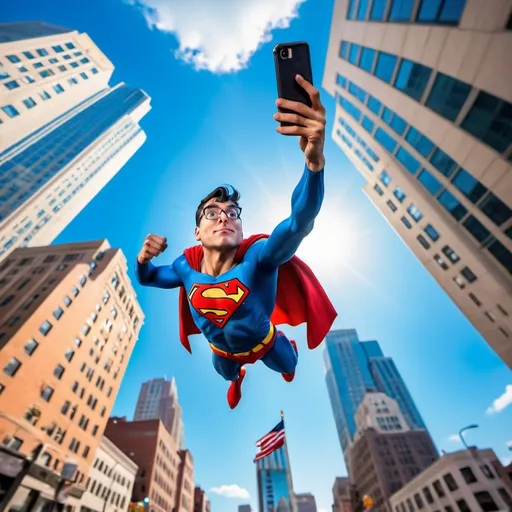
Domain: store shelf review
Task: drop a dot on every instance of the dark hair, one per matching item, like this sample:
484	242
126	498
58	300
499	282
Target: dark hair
222	194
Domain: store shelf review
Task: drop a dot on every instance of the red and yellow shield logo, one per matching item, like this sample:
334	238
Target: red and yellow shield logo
218	302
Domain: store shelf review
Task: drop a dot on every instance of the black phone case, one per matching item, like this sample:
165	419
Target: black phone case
287	69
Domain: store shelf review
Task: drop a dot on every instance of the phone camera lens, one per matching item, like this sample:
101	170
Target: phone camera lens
284	53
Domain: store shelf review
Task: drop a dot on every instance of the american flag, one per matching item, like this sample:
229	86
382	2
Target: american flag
270	442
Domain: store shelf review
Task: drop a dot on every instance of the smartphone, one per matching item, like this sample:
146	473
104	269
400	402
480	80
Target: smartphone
291	59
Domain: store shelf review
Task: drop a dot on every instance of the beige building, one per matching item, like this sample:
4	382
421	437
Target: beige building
343	495
465	480
69	322
423	111
110	482
64	132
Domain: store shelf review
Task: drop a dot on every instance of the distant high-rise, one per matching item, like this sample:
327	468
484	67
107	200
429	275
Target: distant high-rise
158	399
305	502
64	132
424	112
244	508
355	368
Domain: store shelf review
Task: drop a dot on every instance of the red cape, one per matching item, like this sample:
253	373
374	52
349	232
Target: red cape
300	297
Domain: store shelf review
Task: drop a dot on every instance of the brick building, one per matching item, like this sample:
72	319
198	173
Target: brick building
69	322
201	501
166	474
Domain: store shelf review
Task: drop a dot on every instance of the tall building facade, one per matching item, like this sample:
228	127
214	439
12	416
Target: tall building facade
275	485
355	368
201	501
69	322
306	502
158	398
424	112
64	132
166	473
342	494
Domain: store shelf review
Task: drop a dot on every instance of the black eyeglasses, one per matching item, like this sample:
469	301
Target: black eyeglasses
214	212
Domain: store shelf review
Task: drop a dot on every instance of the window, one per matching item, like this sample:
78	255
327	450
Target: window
450	254
446	12
82	281
85	329
429	182
401	10
474	298
469	186
14	443
78	342
69	354
13	58
12	84
42	52
374	105
385	140
367	59
463	506
477	229
75	291
407	160
495	209
452	205
490	120
59	371
412	79
67	301
406	222
378	10
468	475
12	367
447	96
353	55
46	73
368	124
399	194
428	495
391	206
423	241
58	48
341	81
378	190
450	482
443	163
385	67
58	312
468	275
58	88
45	328
502	254
505	496
363	9
44	95
414	213
84	76
31	346
385	178
441	262
10	111
94	71
418	500
46	393
70	46
438	488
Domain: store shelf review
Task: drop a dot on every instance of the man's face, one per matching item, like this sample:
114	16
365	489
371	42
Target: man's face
219	227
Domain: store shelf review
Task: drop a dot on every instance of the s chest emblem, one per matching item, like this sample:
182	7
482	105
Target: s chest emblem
218	302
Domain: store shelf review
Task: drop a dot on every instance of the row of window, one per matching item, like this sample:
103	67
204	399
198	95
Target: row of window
103	491
104	468
41	52
495	209
489	118
443	12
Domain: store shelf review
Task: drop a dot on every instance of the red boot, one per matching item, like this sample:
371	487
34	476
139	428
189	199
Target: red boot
288	377
235	389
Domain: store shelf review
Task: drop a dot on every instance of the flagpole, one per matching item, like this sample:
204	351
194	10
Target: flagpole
289	471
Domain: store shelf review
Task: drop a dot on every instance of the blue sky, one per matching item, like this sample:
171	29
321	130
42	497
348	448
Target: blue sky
207	128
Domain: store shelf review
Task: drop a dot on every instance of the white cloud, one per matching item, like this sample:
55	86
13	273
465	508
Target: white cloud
502	401
322	510
231	491
218	35
454	438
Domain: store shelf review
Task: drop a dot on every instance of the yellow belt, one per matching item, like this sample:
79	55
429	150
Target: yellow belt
256	349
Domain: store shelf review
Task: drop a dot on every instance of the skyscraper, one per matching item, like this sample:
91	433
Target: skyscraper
69	322
355	368
424	112
158	399
64	132
306	502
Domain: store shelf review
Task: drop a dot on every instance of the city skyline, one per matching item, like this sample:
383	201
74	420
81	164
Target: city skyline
195	140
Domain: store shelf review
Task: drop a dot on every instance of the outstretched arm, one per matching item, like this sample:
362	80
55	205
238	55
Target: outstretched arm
309	124
146	273
306	202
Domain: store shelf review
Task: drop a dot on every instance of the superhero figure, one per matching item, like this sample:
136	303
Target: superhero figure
234	290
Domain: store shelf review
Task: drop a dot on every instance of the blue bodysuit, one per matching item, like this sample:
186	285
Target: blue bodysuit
249	286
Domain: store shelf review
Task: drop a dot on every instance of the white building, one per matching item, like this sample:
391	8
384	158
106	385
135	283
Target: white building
110	483
64	132
380	412
465	481
424	112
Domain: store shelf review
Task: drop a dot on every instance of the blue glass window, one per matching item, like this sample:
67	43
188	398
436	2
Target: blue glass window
419	142
451	11
46	73
414	213
452	205
58	48
502	254
407	160
94	71
350	108
374	105
344	46
58	88
387	115
428	11
44	95
469	186
38	65
385	178
401	10
13	84
84	76
432	233
398	124
443	163
378	10
385	68
447	96
74	64
29	55
385	140
340	80
13	58
357	92
363	9
429	182
10	111
490	120
354	54
372	154
85	60
42	52
351	12
62	67
70	46
54	60
477	229
412	79
29	103
399	194
495	209
367	59
368	124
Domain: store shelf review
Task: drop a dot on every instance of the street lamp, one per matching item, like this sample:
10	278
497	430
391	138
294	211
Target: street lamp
469	427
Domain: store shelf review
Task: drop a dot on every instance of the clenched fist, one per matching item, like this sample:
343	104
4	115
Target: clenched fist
152	247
